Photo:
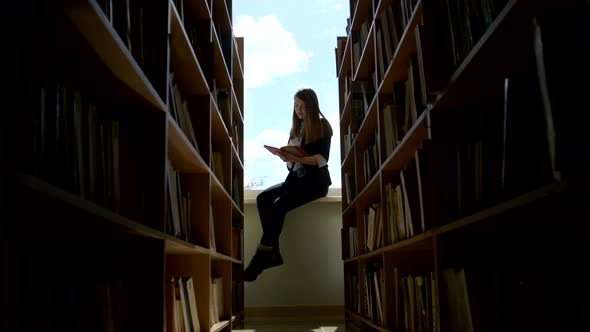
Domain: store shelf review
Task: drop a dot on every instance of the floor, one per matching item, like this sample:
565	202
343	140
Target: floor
293	324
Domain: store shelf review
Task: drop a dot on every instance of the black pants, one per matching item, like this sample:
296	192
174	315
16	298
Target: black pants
274	203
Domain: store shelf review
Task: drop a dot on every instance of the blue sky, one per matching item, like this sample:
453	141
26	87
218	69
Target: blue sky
288	44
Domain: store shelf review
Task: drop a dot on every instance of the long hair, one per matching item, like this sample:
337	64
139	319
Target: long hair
314	127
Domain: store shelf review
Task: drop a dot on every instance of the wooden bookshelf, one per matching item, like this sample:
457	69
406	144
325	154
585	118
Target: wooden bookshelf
112	202
462	170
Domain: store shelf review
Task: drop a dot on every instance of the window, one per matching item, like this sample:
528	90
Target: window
287	46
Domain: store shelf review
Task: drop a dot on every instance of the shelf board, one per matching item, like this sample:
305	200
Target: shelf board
219	326
422	241
366	133
219	132
199	8
347	158
222	257
222	76
90	20
237	63
363	9
221	15
498	50
400	62
237	316
365	320
178	246
218	191
371	192
404	151
182	154
111	218
349	210
367	58
504	207
182	55
237	162
346	108
236	207
237	221
235	106
345	64
352	205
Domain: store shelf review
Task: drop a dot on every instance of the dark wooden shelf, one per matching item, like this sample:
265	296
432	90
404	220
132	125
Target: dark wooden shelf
89	18
98	219
404	151
498	51
182	154
397	68
189	74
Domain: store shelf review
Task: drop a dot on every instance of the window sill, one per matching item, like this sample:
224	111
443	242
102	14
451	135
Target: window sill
334	195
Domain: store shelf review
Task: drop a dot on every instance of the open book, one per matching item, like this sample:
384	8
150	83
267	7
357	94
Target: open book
292	149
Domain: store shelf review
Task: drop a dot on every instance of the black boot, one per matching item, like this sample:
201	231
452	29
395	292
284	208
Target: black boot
264	258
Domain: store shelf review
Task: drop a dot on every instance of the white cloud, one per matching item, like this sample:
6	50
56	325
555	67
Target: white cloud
328	5
254	148
270	51
260	163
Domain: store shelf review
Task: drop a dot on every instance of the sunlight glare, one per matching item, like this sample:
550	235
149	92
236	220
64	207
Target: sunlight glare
329	329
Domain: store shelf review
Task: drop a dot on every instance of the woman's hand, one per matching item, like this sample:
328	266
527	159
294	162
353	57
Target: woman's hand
286	158
289	157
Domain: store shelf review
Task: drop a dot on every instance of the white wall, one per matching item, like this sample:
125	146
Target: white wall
311	248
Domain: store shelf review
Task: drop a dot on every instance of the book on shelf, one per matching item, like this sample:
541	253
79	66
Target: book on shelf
339	50
235	129
223	105
179	5
378	281
172	322
192	300
186	313
370	217
173	199
216	299
292	149
411	186
237	235
524	130
408	214
437	45
348	236
107	301
415	300
353	239
179	110
235	190
459	309
122	20
176	322
212	243
217	166
374	227
218	281
107	8
137	17
561	52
